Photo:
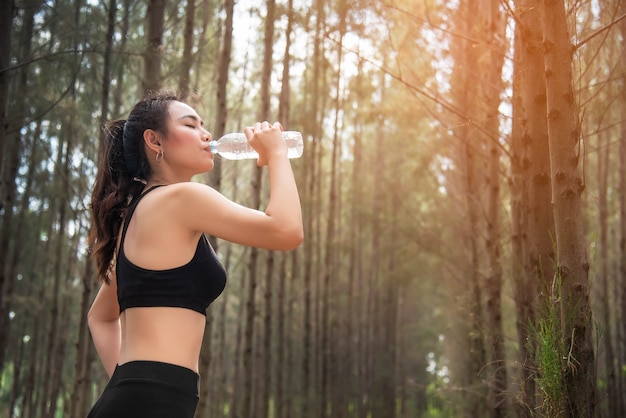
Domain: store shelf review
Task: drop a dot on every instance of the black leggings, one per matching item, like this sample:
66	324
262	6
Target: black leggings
149	389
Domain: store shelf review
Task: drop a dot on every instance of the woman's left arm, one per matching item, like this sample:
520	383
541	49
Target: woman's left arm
104	323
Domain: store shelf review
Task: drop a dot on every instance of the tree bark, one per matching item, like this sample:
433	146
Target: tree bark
221	109
238	394
471	143
207	14
312	197
351	355
539	258
84	349
80	392
493	22
281	407
266	364
522	281
106	70
621	348
120	86
154	51
389	285
610	360
247	386
6	19
327	344
10	151
215	176
17	254
187	59
567	188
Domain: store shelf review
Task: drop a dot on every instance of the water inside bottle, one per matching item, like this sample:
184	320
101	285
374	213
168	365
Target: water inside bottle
243	151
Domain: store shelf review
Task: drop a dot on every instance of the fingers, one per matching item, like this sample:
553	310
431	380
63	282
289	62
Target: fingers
263	137
265	125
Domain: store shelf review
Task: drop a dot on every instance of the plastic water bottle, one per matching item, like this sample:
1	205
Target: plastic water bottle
235	146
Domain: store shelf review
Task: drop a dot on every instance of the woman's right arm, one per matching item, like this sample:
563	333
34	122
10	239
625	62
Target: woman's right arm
104	324
279	227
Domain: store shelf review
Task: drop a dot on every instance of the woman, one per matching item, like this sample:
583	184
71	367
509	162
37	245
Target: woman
158	271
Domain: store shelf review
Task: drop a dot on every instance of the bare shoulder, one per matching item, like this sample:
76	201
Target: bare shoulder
183	187
201	208
182	194
188	200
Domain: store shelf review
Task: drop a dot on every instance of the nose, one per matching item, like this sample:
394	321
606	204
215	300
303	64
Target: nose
207	136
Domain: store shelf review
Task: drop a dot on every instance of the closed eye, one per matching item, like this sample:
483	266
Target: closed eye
193	118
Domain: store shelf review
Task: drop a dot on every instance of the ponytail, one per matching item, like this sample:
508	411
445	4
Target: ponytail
110	197
123	171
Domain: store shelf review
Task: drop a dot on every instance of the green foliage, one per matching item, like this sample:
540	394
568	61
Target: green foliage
550	355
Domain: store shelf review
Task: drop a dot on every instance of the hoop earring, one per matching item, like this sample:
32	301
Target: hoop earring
159	156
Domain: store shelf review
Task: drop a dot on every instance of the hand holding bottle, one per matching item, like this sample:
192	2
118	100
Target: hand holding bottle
266	140
236	146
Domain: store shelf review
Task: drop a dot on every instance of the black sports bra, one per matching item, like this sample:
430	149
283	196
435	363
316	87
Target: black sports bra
193	286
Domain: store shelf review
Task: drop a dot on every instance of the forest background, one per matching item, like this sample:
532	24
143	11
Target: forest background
463	187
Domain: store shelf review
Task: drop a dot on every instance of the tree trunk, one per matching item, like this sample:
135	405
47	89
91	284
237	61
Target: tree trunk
477	355
281	409
221	108
215	176
80	392
266	364
285	87
622	225
10	150
204	403
330	261
247	386
541	218
207	12
21	364
389	285
238	393
351	355
187	59
372	316
493	23
154	51
312	197
58	312
567	187
522	281
20	231
249	389
220	375
84	348
279	372
539	262
292	371
610	360
106	70
471	141
54	340
6	19
120	73
32	390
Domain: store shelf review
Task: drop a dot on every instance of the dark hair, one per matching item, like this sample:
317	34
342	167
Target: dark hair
123	170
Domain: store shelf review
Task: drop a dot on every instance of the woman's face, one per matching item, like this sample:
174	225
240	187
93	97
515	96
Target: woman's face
186	147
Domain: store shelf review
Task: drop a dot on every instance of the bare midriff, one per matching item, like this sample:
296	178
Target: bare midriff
164	334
